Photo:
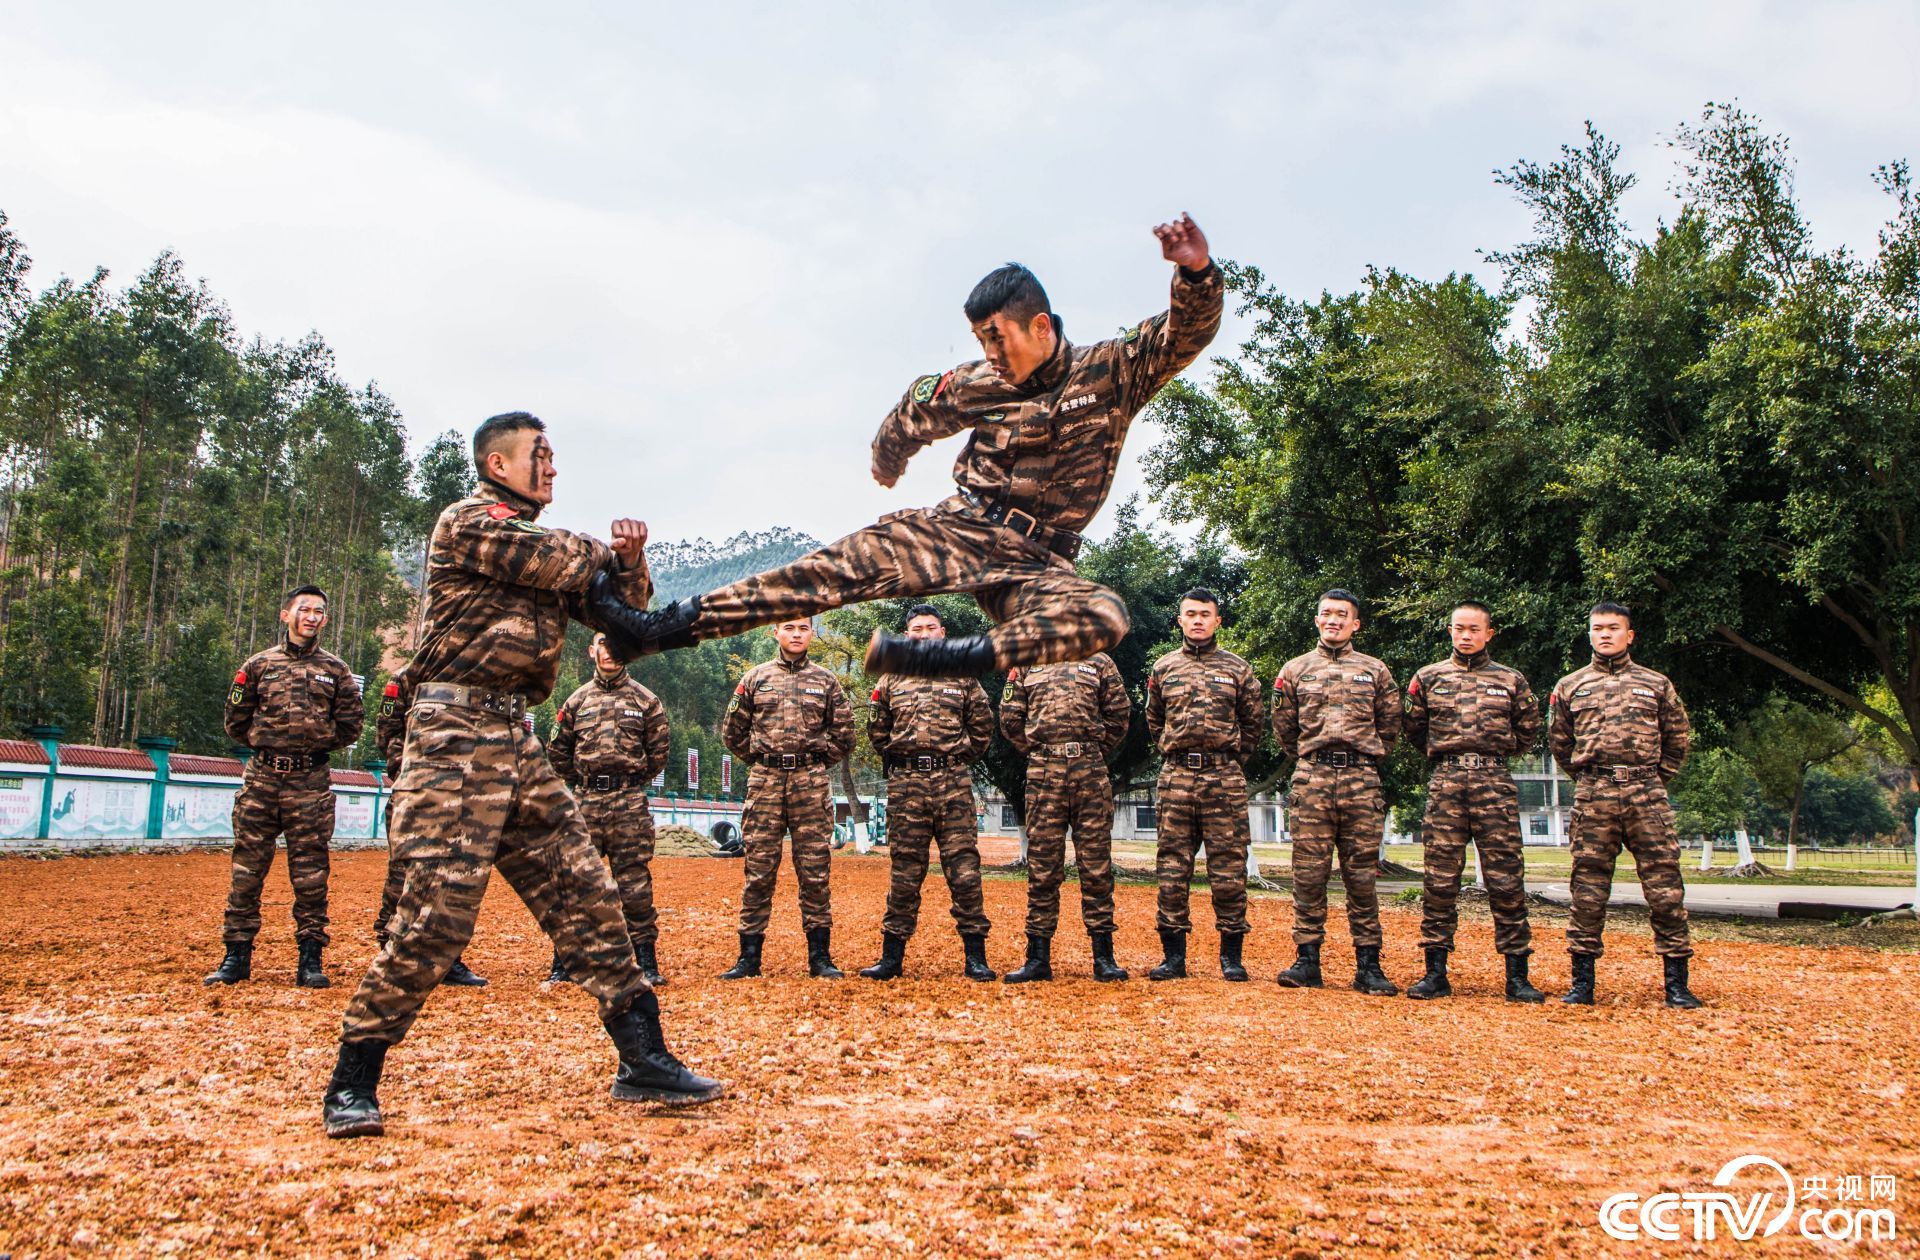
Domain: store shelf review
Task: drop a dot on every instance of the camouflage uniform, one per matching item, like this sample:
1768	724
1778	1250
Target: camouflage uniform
1337	712
1204	714
1067	720
609	739
1469	715
475	790
1619	730
928	731
390	734
1036	469
791	721
292	706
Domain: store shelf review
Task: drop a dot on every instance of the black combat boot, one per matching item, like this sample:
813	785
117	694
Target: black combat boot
310	975
558	973
819	955
632	633
1104	968
461	976
968	656
975	949
1231	968
1305	972
1173	966
1434	983
350	1108
748	964
648	1071
1679	995
1038	965
1519	989
893	952
1367	976
1581	994
236	966
643	954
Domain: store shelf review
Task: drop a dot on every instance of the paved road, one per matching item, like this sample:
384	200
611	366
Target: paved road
1755	901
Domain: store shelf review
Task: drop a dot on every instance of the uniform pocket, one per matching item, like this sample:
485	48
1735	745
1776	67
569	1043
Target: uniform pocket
430	776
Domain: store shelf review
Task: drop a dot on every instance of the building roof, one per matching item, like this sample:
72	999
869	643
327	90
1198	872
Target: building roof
354	778
24	751
92	757
193	763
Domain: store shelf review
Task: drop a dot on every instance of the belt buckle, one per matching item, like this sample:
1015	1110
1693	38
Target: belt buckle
1071	750
1470	760
1196	761
789	761
1622	774
1338	760
1028	530
601	783
923	762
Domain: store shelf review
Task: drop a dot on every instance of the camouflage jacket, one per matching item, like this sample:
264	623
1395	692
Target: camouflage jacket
390	726
500	589
784	706
616	727
1049	445
1617	713
947	717
292	700
1471	705
1082	702
1335	699
1203	698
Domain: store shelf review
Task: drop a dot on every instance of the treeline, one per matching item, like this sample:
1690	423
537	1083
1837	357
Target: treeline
163	480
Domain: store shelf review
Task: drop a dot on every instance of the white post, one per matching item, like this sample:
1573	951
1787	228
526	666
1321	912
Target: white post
1479	876
1790	851
1706	853
1745	843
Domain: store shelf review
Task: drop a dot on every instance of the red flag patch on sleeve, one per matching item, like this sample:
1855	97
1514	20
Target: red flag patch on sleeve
501	511
1413	688
393	689
741	690
875	697
1013	675
1280	682
566	715
239	675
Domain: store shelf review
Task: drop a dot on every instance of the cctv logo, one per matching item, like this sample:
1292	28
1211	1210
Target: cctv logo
1719	1212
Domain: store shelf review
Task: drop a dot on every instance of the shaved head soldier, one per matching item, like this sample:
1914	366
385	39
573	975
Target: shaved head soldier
292	705
1336	712
1047	421
1469	714
1620	732
476	791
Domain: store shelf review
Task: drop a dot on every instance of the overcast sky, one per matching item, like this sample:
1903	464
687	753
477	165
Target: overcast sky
712	244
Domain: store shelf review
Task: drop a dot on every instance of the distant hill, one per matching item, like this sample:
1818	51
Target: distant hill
681	569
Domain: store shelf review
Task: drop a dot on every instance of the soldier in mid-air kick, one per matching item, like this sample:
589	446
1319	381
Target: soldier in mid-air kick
1048	420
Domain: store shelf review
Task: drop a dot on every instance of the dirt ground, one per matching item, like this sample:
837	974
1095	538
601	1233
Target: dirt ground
141	1113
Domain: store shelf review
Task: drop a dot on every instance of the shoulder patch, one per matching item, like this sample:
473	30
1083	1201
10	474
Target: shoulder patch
501	511
741	690
875	697
566	716
240	675
926	387
1279	682
525	527
1013	675
1413	688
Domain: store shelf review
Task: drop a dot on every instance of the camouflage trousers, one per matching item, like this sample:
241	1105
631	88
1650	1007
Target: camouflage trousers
476	792
1481	806
1044	610
1336	810
1608	816
622	829
396	880
1062	793
1195	809
778	802
300	804
925	807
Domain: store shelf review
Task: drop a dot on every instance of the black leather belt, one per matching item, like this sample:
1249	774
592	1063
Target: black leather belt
1061	542
791	761
1076	748
1472	761
922	762
612	782
288	763
504	703
1616	774
1199	760
1339	760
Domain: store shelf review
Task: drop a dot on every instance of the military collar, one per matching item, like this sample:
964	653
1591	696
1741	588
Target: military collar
1613	664
1203	648
1333	653
791	666
293	649
1052	373
1479	660
608	684
494	492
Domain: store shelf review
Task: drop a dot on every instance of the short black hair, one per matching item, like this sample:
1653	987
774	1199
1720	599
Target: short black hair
1475	604
1614	607
924	610
496	429
1341	593
1201	595
298	591
1012	289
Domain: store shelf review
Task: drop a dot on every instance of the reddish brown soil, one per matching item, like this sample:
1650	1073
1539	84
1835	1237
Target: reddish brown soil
141	1113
